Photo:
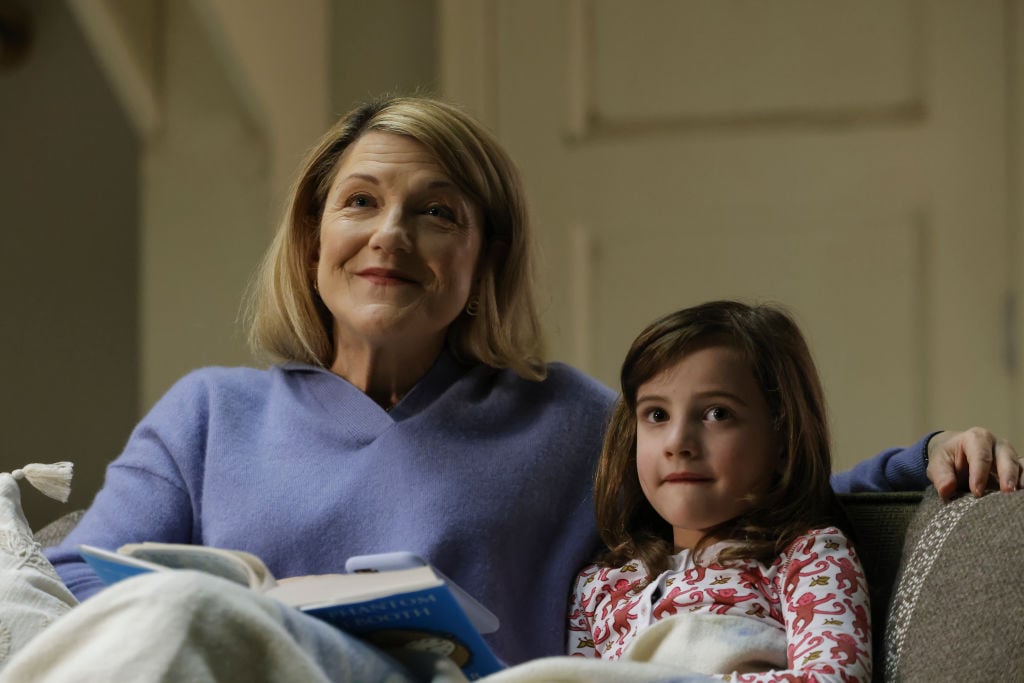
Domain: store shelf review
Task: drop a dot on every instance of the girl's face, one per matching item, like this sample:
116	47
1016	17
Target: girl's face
704	441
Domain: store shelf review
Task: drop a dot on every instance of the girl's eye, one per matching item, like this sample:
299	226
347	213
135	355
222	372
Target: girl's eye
717	414
656	415
440	211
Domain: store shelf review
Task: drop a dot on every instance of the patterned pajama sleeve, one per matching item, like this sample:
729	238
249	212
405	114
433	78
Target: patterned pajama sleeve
580	641
824	602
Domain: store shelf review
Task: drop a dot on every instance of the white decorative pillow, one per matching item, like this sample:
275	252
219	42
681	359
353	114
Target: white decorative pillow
31	593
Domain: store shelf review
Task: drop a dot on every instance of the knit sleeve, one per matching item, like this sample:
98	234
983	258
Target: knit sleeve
894	469
581	635
146	492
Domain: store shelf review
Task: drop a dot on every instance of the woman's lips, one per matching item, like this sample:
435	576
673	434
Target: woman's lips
385	276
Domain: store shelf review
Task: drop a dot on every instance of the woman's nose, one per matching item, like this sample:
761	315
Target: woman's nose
393	232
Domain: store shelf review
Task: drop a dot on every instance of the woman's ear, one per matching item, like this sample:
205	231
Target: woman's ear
499	248
496	253
312	269
491	256
313	261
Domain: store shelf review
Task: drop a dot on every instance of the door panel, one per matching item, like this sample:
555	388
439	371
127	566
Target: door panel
846	160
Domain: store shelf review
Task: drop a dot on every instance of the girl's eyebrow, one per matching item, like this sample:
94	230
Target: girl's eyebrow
721	393
704	395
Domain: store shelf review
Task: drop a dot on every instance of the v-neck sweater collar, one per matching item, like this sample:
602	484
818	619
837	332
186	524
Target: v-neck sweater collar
360	415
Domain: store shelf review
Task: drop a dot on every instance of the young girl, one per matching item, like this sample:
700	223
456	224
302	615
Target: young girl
713	497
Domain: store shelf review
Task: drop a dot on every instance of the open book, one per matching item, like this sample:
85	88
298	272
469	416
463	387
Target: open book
416	608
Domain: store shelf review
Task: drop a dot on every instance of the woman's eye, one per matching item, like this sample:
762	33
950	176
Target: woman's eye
717	414
360	201
440	211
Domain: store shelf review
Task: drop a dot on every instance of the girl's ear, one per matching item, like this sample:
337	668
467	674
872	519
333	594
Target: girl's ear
780	447
780	462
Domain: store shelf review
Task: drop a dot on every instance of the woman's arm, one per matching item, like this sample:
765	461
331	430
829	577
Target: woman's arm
950	460
894	469
959	460
145	496
134	505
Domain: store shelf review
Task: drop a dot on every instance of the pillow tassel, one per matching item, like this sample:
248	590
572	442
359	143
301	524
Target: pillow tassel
53	480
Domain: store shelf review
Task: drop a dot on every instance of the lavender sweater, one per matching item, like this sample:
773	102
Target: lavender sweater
485	474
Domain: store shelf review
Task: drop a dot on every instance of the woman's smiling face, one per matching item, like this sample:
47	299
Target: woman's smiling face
399	247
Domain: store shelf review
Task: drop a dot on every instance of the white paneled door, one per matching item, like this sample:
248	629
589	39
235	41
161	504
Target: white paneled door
849	160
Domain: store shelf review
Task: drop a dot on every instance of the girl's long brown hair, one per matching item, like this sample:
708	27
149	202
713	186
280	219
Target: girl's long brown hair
799	497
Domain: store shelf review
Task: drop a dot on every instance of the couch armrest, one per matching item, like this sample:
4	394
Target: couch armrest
958	606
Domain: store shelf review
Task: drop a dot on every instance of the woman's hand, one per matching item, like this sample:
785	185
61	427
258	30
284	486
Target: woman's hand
960	460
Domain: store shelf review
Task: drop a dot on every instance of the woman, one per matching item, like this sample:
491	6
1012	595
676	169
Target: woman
413	411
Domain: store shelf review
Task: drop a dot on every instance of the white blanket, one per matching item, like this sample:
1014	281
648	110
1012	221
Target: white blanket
687	645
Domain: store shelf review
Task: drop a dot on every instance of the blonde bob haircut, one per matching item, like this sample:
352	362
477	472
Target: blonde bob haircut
288	320
798	498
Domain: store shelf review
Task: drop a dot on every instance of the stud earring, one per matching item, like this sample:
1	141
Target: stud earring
473	306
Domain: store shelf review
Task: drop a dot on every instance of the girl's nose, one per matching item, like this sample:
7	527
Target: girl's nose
393	232
681	440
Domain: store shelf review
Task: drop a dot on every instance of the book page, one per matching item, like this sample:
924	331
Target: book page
328	589
234	565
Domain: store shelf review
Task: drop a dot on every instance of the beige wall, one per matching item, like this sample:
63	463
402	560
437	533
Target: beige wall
858	162
68	261
381	47
205	211
243	92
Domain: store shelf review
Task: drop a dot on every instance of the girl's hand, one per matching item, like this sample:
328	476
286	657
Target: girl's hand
961	460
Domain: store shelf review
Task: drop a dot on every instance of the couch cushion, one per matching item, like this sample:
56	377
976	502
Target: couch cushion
958	608
879	523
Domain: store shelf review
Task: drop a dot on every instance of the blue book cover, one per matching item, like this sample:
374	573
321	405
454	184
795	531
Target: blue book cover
429	620
411	608
110	567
